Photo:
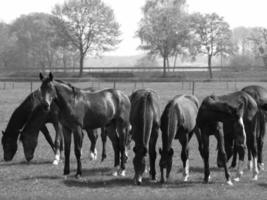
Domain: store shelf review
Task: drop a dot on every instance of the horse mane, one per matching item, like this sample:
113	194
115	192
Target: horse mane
75	90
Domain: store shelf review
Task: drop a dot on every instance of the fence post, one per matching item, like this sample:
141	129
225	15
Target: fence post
114	84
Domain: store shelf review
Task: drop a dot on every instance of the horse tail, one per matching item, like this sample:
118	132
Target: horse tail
147	118
172	124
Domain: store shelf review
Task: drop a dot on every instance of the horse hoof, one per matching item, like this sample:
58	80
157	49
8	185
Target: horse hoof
186	178
77	176
255	178
122	173
55	162
237	179
115	173
261	166
229	182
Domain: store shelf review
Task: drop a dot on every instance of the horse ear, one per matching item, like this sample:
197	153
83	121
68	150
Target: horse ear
41	76
50	76
160	151
171	152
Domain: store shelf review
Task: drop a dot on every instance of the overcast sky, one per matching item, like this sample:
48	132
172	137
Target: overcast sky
128	13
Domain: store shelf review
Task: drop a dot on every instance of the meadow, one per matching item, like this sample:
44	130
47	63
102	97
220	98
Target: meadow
39	179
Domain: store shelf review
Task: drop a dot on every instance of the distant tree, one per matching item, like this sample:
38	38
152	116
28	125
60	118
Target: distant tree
35	40
258	35
89	25
7	45
212	36
147	61
162	28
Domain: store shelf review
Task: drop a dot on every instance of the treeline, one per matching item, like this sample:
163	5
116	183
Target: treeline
77	28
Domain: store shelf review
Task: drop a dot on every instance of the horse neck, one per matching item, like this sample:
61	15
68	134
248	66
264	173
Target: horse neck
65	95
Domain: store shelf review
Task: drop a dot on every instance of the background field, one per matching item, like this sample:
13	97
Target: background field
41	180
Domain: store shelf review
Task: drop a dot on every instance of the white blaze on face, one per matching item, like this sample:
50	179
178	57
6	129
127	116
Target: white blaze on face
48	99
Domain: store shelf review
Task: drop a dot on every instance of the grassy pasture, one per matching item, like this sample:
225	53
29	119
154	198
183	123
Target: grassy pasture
41	180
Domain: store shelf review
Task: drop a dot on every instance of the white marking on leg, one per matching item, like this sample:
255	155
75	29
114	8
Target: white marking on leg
115	171
261	166
229	182
239	170
255	169
57	159
250	165
122	172
186	170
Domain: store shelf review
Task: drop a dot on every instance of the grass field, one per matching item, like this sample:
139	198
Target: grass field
41	180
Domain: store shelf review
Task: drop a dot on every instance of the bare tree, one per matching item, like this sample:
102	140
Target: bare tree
213	36
89	25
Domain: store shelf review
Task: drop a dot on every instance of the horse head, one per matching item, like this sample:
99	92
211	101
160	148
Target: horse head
139	163
165	162
10	146
48	90
29	142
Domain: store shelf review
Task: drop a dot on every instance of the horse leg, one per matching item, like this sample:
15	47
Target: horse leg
254	149
78	139
260	140
47	136
233	164
67	144
112	134
184	155
152	151
205	140
122	131
58	142
92	135
220	138
200	145
104	141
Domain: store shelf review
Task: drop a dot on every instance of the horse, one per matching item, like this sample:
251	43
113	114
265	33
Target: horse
145	121
238	111
260	96
29	134
80	109
17	121
178	121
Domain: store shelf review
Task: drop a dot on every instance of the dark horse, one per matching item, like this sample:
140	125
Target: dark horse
239	112
178	121
80	109
145	119
40	116
16	123
260	96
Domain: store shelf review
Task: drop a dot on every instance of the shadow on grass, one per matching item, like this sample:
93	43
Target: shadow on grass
201	169
39	162
124	182
264	185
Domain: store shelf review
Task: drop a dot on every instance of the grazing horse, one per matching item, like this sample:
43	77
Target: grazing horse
145	119
80	109
238	111
260	96
16	123
40	116
178	121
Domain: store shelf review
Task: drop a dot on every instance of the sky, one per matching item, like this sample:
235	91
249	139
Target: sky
128	14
